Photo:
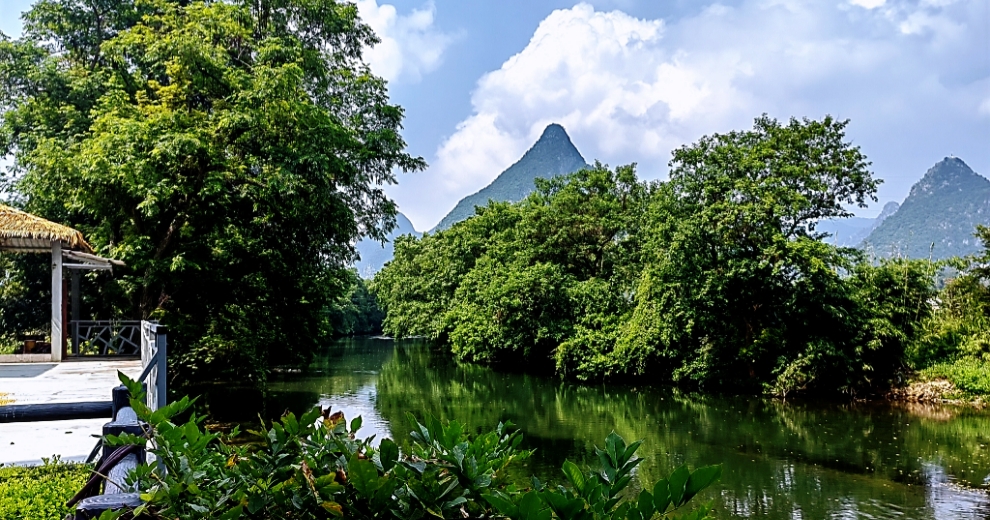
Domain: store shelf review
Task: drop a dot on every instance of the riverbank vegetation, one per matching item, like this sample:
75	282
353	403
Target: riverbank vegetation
954	340
40	492
316	466
230	153
715	279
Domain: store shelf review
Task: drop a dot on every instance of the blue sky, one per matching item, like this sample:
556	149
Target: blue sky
632	79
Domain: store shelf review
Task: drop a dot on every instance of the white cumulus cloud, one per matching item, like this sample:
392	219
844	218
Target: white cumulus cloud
629	89
868	4
410	44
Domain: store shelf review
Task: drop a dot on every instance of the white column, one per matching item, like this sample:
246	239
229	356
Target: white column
56	301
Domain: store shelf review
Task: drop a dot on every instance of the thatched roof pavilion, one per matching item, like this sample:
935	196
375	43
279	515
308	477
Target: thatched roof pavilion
24	232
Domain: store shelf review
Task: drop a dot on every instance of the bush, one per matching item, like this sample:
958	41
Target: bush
40	492
314	466
960	325
969	375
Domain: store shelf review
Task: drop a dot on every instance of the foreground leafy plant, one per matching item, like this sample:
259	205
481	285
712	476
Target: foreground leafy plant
597	495
315	466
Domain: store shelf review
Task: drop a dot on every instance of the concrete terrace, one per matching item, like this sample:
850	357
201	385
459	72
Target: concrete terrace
33	383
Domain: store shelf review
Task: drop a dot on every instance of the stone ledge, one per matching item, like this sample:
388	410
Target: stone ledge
25	358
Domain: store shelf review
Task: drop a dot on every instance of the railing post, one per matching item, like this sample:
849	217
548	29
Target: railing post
161	338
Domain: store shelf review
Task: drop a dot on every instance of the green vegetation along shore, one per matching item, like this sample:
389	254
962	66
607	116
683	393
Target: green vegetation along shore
715	279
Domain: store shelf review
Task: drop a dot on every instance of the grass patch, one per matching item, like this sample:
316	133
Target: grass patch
40	492
969	375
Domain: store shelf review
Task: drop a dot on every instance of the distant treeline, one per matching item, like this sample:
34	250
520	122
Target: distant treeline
715	279
355	313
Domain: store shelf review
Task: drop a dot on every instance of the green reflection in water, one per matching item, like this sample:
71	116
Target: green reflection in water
781	460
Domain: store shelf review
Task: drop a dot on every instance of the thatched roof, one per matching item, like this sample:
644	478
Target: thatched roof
20	231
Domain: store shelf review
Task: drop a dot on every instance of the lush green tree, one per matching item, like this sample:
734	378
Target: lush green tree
518	282
736	287
229	152
715	278
418	285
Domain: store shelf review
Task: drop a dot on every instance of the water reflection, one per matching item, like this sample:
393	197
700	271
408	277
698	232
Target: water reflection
781	460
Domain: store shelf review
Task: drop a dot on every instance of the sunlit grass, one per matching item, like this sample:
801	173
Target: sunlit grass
40	492
969	375
5	399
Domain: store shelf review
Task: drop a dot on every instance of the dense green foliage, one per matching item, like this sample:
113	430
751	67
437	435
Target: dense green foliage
315	466
954	342
356	313
938	216
553	154
713	279
229	152
40	492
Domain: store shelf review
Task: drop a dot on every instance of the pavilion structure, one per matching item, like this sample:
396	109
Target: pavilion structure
23	232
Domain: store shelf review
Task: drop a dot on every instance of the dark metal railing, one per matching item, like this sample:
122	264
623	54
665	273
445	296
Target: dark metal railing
105	338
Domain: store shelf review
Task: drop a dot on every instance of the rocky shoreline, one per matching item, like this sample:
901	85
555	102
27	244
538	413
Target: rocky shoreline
934	391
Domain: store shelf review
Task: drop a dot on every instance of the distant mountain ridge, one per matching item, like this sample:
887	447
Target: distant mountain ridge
850	232
943	209
552	155
374	254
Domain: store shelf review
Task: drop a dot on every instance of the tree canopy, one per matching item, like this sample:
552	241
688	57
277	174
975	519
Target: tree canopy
229	152
713	279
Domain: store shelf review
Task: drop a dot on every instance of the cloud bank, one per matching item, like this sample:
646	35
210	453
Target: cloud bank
630	89
410	44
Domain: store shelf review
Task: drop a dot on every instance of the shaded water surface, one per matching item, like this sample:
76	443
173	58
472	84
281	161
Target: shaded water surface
780	460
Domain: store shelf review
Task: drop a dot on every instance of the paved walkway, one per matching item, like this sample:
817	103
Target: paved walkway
30	383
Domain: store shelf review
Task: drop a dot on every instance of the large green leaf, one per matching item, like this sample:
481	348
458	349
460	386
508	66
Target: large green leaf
677	483
388	454
363	475
700	479
575	475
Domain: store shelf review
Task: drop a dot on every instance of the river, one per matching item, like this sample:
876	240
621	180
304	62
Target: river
781	460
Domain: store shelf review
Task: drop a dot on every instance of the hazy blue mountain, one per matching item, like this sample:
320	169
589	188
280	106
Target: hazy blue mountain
850	232
888	209
943	208
374	254
552	155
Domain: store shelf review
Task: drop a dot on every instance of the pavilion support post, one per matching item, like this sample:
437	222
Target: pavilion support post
57	311
76	311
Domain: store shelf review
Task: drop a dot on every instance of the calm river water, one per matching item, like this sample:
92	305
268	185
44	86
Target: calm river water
780	460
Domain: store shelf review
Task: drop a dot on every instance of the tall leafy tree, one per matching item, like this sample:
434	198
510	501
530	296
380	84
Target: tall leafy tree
737	290
230	152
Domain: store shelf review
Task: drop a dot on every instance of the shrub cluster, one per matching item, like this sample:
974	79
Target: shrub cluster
953	342
40	492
